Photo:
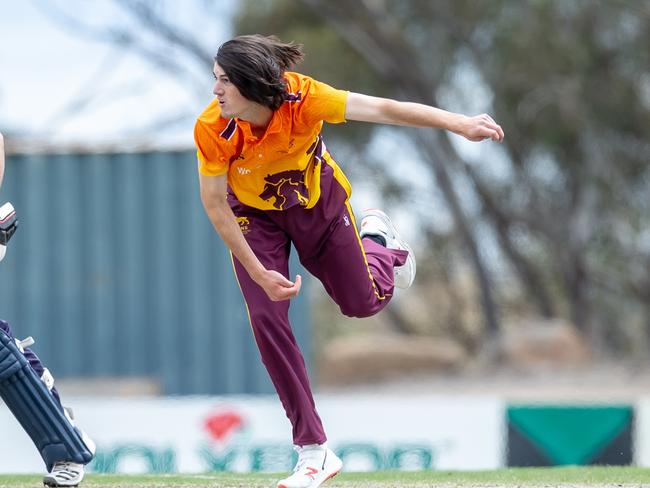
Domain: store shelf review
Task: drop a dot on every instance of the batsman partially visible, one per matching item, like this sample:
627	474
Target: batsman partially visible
27	389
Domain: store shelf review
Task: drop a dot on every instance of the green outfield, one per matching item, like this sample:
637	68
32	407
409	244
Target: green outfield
516	477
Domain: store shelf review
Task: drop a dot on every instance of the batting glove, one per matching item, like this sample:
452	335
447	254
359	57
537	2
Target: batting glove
8	226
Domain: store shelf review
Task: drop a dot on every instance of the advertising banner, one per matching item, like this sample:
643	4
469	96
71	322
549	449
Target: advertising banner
202	434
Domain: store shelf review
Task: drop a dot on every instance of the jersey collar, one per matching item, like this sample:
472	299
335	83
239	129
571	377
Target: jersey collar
275	126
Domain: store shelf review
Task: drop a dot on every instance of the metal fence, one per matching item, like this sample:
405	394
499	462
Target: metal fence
117	272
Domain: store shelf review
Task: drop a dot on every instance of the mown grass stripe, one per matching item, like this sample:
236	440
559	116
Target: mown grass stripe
574	476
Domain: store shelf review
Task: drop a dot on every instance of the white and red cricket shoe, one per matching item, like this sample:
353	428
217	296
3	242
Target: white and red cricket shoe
374	222
316	464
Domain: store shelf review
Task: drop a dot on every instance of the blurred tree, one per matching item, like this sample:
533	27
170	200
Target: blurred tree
175	40
569	82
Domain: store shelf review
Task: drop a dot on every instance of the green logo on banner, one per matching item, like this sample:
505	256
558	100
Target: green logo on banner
570	434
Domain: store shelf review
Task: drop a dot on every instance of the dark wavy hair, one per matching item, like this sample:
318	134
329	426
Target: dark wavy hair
255	64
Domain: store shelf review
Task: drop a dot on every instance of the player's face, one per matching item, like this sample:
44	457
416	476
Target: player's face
232	103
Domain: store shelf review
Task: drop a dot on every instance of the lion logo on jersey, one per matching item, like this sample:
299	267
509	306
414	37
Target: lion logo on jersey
287	188
244	224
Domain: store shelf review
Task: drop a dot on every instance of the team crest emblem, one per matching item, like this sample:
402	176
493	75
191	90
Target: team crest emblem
244	224
286	188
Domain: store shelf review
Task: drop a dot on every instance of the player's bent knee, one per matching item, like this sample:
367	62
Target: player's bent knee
36	409
359	310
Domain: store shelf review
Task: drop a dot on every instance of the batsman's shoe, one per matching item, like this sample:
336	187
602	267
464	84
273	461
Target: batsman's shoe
376	223
64	474
316	464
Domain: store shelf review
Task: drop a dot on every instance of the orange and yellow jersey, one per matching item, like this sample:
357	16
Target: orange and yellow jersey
282	168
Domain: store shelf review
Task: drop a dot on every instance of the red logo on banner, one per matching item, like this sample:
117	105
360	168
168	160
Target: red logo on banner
221	425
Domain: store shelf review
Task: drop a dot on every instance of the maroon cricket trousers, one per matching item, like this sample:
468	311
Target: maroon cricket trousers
357	274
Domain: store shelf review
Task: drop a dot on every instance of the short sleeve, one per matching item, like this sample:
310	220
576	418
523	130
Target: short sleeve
213	159
319	101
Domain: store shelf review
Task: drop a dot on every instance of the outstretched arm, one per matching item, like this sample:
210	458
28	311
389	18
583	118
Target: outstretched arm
213	196
366	108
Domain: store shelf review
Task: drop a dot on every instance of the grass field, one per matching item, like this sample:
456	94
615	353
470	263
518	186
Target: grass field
519	477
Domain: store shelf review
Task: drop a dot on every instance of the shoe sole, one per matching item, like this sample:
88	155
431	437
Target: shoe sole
398	237
52	483
328	478
331	476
